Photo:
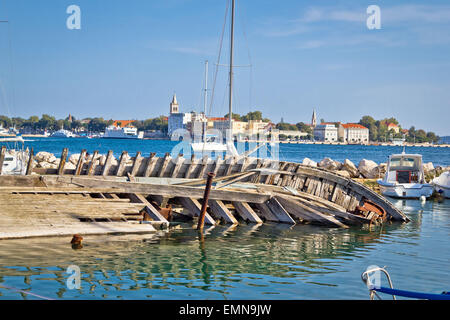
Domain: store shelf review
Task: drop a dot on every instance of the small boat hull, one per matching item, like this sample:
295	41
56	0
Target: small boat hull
444	190
442	184
405	190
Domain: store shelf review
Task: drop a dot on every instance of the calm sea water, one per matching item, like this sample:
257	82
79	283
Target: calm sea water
287	152
247	262
271	261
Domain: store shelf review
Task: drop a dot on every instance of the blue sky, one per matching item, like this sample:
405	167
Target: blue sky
130	57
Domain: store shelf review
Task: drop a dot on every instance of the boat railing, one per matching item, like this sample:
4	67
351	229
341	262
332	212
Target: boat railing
374	288
365	276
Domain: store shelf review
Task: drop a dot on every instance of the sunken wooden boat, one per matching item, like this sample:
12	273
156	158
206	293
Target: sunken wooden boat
142	194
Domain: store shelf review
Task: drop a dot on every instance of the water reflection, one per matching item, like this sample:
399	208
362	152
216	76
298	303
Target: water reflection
218	259
246	261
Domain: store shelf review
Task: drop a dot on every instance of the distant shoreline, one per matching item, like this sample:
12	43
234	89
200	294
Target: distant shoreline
383	144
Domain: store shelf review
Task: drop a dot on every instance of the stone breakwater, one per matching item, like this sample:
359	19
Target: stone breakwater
367	169
48	160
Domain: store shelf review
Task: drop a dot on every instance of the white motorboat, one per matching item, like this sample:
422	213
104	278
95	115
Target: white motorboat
15	159
62	133
405	177
442	184
211	144
113	132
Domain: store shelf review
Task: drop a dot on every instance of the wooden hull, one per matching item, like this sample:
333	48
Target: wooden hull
249	189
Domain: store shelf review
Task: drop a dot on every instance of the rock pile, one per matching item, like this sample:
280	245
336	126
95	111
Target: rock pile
48	160
366	169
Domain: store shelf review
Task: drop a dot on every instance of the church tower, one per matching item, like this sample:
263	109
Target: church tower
314	119
174	108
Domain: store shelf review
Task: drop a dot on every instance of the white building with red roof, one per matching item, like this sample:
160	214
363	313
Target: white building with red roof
355	133
393	126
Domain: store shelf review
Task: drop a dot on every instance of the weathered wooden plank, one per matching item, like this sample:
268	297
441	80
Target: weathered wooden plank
255	178
62	162
178	163
92	164
195	208
30	163
229	166
149	209
122	163
217	165
151	163
242	176
136	164
276	176
266	212
80	162
107	166
191	167
154	214
308	213
204	165
245	162
220	210
279	211
246	212
167	159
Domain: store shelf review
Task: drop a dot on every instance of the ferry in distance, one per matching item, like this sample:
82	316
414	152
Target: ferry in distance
113	132
63	134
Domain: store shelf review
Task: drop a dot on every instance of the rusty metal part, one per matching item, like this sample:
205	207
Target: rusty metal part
201	220
371	211
76	239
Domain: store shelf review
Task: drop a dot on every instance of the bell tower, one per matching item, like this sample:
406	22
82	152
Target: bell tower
174	107
314	119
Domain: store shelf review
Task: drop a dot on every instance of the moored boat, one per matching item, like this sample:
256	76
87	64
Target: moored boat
442	184
15	157
405	177
62	133
113	132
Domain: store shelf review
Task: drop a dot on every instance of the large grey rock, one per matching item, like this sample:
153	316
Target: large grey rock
344	173
379	171
329	164
366	168
70	166
46	165
309	162
427	167
74	158
45	156
350	168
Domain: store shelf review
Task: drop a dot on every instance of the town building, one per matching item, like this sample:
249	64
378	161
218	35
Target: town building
314	119
326	132
355	133
393	126
197	124
177	120
238	127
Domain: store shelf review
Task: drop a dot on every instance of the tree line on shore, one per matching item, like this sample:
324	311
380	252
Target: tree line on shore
378	129
97	124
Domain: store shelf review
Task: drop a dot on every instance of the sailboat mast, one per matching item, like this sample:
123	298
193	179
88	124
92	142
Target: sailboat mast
230	98
205	102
